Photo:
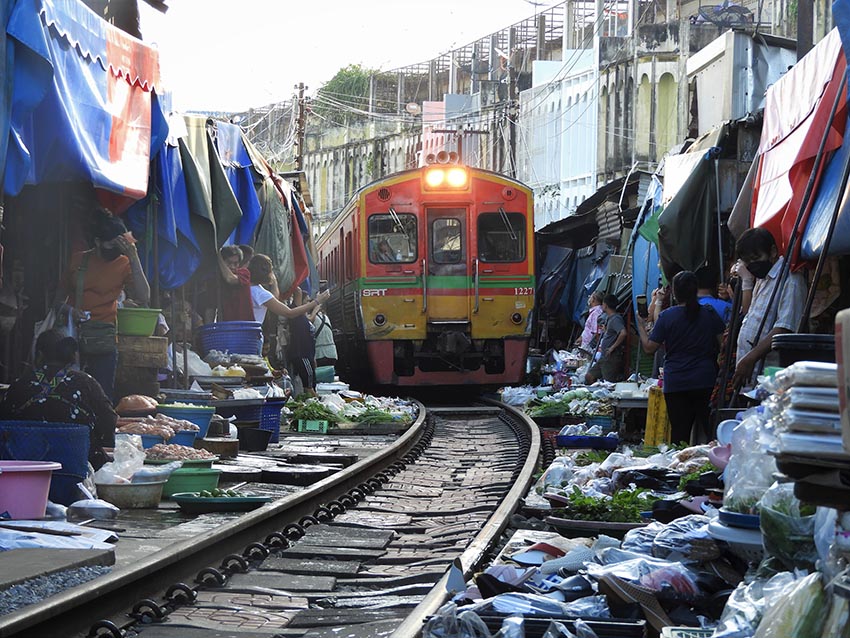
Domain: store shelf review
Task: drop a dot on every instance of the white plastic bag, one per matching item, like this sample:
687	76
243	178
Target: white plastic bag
129	458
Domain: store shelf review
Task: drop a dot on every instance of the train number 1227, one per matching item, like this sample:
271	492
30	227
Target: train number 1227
523	291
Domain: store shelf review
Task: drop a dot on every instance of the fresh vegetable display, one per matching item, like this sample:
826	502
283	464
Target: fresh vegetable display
313	410
623	507
580	402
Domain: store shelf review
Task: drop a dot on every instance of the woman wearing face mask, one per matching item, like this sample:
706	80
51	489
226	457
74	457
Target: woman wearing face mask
759	266
90	289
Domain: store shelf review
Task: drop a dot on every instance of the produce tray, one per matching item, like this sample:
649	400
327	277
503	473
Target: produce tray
588	442
191	503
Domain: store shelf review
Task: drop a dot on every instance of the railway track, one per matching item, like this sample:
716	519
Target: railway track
364	552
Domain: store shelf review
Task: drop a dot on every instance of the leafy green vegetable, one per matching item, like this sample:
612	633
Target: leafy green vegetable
591	456
372	415
694	476
624	507
313	410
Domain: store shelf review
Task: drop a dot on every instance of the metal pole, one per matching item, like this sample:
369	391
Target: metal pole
720	265
173	333
807	309
185	346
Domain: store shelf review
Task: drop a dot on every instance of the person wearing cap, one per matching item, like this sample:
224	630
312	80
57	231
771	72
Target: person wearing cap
54	392
90	289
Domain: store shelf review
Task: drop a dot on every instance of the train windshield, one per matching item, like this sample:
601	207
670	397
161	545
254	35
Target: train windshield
392	238
447	239
501	237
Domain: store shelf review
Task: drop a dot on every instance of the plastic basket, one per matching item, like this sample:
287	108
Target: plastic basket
65	443
251	412
588	442
237	337
199	415
270	417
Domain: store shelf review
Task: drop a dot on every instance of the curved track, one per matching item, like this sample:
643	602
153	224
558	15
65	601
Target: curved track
363	552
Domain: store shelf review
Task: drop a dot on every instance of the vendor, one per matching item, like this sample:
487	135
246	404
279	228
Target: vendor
611	348
691	334
56	393
90	290
263	300
759	266
236	294
590	335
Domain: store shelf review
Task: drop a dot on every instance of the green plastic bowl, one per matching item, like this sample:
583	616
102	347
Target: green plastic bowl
137	322
191	479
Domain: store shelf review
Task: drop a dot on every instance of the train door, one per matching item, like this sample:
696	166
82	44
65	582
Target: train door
446	267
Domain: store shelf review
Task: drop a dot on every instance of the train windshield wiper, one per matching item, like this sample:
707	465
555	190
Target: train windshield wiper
399	225
507	223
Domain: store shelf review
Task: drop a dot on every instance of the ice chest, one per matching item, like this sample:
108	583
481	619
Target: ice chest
312	426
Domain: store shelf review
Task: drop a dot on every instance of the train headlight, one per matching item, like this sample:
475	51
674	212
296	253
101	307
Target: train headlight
516	318
380	320
435	178
457	177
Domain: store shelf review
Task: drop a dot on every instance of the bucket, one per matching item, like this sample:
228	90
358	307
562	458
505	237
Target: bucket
253	439
131	495
24	486
137	322
200	415
804	347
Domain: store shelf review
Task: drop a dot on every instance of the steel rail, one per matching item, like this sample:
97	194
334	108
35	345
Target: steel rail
108	597
489	534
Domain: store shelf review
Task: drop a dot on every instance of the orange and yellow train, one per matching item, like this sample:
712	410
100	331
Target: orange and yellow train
432	278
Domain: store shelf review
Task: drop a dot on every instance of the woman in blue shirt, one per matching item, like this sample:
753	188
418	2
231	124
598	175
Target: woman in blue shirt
691	335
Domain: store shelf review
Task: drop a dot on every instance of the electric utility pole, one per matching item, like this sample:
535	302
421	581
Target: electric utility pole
300	127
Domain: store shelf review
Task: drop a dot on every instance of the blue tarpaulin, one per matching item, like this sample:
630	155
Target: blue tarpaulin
240	173
93	119
178	251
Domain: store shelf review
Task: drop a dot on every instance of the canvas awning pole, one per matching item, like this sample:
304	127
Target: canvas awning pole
824	253
720	262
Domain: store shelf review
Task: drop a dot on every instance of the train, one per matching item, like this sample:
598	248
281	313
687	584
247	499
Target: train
431	273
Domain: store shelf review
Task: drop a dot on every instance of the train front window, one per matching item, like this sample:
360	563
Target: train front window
392	238
447	241
501	237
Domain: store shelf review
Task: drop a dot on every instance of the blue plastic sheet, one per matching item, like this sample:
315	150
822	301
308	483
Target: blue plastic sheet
817	226
179	252
93	120
240	173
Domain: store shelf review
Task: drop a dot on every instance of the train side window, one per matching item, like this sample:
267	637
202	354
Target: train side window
501	237
447	241
392	238
349	258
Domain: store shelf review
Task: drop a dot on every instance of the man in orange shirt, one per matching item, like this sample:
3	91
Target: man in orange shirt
91	287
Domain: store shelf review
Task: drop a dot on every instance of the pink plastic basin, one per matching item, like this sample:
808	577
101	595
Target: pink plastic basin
24	486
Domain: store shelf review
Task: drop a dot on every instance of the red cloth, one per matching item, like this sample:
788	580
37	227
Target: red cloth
236	300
